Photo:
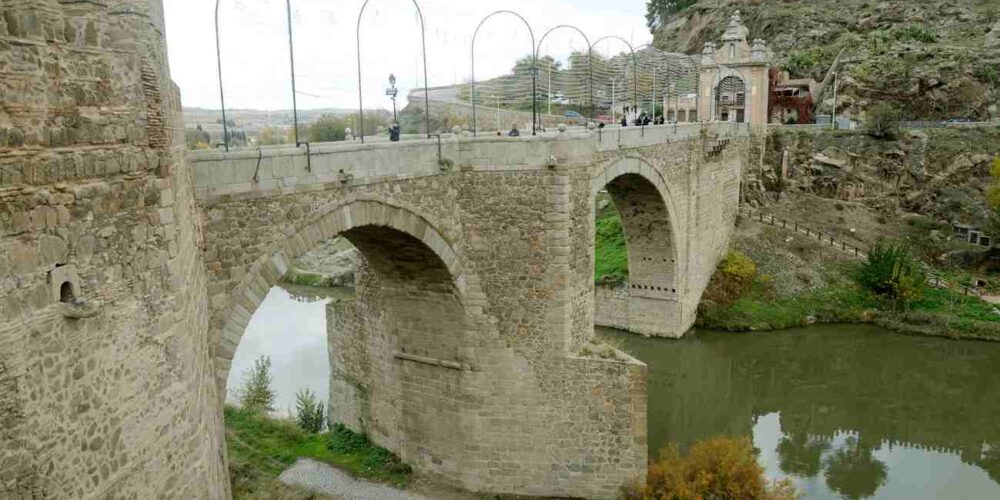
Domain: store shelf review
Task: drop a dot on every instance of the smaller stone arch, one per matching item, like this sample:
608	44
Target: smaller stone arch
372	220
648	214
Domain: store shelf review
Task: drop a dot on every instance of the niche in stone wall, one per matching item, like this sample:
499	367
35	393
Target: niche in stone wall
65	284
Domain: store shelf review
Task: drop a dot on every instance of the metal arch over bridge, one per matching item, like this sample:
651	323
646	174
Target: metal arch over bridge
534	72
535	53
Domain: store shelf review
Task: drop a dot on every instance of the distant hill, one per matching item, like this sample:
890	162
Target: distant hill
933	58
255	119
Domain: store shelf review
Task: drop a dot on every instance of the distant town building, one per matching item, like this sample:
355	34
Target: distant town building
791	101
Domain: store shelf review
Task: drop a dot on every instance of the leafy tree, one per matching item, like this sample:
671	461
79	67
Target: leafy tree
658	11
270	136
328	128
309	411
882	121
892	273
197	138
993	192
256	395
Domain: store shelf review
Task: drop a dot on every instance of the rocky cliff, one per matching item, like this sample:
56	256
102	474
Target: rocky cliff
934	59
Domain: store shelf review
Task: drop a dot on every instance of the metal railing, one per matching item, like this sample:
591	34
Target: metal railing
933	278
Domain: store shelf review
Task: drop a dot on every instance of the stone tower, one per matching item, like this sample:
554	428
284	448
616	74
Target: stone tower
106	383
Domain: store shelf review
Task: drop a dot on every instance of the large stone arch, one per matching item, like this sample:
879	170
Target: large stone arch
652	234
376	228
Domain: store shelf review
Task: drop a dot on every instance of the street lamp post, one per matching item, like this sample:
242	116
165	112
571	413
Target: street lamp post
613	101
392	92
550	88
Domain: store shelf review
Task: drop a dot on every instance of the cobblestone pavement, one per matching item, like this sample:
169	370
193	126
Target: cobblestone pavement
322	478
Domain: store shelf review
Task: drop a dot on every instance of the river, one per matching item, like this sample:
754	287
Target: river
844	411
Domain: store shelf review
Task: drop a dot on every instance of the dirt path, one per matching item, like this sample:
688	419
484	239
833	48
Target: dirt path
321	478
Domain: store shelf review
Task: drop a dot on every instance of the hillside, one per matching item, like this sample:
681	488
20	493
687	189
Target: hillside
934	59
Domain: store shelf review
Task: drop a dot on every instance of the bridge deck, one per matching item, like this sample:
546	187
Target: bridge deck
280	170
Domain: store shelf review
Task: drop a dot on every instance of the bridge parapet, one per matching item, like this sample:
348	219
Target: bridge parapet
283	170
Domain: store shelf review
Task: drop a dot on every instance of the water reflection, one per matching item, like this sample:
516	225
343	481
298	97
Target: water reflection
290	327
845	411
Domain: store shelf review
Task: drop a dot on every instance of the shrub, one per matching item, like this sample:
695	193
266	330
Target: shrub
891	272
882	121
256	394
309	411
719	467
733	279
344	440
917	33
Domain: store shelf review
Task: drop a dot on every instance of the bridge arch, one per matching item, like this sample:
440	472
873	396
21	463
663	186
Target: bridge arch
649	221
412	260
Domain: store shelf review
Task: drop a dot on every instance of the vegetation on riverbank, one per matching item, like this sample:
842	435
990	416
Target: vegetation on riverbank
844	299
261	448
719	467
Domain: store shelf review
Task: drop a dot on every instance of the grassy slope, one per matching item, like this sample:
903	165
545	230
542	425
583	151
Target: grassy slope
261	448
610	253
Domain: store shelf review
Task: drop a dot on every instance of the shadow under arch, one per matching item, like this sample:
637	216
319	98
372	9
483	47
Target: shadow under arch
649	222
411	258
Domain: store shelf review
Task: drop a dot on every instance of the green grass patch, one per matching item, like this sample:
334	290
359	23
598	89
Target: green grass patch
938	312
300	277
260	448
761	310
610	252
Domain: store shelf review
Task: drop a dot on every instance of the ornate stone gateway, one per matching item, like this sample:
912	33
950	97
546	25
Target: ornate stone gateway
735	77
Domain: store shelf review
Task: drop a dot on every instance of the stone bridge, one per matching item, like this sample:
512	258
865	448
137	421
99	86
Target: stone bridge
469	348
128	273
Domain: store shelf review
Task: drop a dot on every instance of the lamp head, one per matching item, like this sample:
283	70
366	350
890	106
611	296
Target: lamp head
392	79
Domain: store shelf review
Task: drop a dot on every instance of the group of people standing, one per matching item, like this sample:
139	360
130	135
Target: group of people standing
631	115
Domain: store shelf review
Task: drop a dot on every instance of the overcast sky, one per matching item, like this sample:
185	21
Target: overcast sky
255	54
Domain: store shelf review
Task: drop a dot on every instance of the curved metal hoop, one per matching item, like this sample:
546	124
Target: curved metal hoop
590	61
222	91
423	48
635	64
534	69
672	59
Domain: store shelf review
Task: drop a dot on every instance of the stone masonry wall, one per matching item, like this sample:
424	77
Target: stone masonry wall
112	399
611	307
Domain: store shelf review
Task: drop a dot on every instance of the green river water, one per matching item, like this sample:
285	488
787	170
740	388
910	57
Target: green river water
844	411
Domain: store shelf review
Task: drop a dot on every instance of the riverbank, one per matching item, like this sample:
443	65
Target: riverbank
261	448
799	282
